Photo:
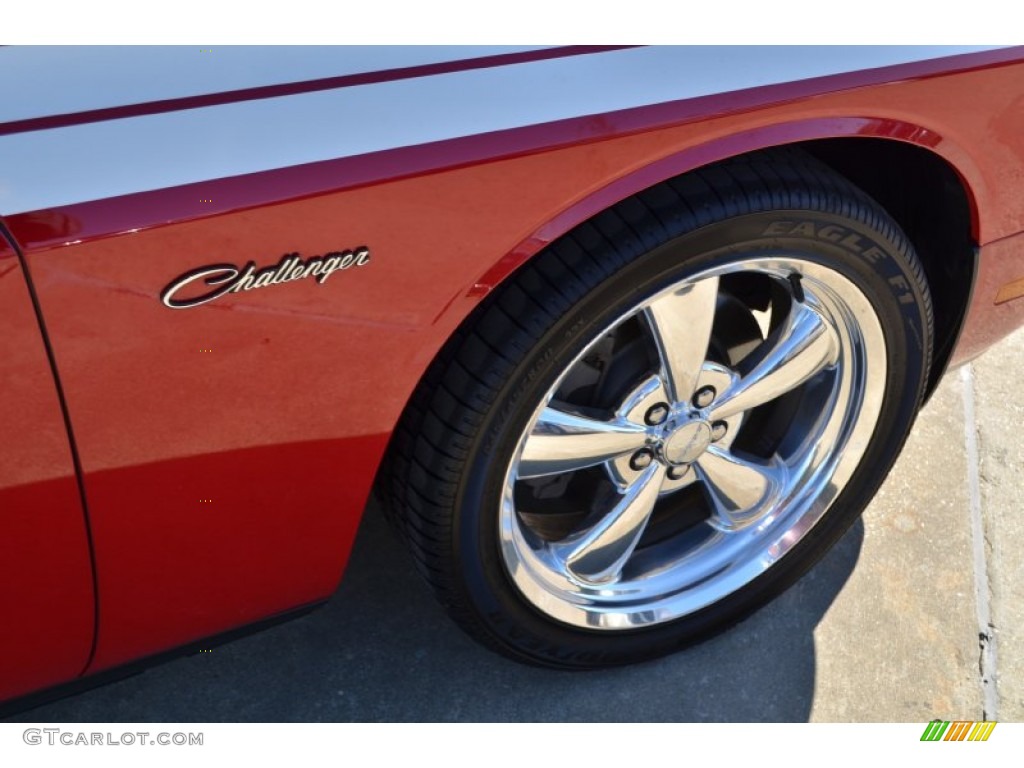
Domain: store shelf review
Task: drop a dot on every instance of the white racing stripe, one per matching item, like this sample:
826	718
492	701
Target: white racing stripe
61	166
55	80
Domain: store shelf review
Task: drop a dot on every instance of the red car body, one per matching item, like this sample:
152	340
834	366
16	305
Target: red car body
167	475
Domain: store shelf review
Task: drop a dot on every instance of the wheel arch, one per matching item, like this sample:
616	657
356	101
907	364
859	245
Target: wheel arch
924	180
450	454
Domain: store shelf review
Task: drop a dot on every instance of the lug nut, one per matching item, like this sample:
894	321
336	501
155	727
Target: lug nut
718	430
641	459
656	414
677	473
704	397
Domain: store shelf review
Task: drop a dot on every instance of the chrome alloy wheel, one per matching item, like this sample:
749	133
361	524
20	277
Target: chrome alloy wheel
692	443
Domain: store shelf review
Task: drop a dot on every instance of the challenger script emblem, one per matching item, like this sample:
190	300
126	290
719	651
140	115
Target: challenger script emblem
227	278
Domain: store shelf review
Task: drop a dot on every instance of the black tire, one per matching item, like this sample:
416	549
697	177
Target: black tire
465	438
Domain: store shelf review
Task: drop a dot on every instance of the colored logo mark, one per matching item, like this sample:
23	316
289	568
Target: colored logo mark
958	730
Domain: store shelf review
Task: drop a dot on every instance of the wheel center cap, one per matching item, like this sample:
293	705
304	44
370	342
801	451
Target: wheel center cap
687	443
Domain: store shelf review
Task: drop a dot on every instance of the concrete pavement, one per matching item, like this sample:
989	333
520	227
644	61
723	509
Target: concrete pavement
917	614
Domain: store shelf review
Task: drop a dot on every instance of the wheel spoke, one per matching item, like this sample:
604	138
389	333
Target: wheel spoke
806	344
739	488
562	441
599	554
681	325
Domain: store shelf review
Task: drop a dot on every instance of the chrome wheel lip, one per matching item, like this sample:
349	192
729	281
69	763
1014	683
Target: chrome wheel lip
801	491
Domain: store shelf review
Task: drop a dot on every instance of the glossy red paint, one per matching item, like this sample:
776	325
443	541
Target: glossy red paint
990	318
46	605
228	450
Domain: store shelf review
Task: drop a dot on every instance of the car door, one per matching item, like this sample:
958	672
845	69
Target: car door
47	605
